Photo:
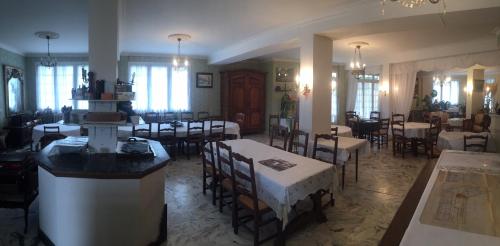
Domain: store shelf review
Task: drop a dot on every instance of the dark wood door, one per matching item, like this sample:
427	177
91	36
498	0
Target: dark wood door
255	102
238	97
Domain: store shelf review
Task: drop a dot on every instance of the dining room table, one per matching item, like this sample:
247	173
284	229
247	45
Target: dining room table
64	129
232	128
455	140
343	131
460	204
365	126
282	187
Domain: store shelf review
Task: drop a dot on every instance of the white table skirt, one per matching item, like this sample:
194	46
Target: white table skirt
415	129
343	131
68	130
346	147
282	189
455	140
231	128
424	234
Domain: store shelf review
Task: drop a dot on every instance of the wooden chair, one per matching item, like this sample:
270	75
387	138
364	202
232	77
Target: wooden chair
479	142
151	117
217	131
18	182
479	122
168	116
328	151
51	130
274	119
167	136
334	131
398	117
374	115
49	138
246	188
400	144
139	131
226	174
203	115
381	135
354	125
210	172
279	132
295	142
187	116
348	116
195	135
432	136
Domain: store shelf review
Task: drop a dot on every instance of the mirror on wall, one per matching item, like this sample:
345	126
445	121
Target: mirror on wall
13	84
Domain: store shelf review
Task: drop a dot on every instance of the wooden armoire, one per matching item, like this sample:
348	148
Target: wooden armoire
243	91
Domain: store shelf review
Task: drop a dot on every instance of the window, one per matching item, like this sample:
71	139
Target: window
334	97
367	96
447	91
158	87
54	86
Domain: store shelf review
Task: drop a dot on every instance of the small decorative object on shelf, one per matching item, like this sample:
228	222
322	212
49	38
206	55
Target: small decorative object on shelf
66	111
123	90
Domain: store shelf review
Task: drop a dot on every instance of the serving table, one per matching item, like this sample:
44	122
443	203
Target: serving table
101	198
455	140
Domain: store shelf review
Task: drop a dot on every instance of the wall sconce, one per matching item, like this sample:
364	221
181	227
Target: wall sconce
384	89
306	91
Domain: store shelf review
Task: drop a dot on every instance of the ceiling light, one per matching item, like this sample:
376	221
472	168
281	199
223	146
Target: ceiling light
356	66
177	62
48	60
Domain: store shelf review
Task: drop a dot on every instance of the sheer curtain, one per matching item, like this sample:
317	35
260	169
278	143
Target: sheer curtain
45	88
334	98
402	82
352	90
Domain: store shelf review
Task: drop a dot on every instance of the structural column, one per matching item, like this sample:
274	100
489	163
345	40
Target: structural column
475	96
315	75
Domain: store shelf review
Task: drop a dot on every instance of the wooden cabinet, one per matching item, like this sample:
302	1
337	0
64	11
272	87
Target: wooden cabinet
243	91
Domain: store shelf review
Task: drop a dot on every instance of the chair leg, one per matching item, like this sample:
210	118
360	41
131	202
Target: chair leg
204	180
235	216
188	152
221	197
26	210
214	190
256	230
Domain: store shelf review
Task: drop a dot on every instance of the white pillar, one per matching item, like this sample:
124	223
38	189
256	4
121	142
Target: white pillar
475	98
384	96
316	74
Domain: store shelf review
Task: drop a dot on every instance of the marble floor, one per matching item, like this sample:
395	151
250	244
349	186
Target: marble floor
362	212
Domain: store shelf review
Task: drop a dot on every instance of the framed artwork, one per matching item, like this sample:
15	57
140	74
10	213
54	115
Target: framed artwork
284	75
478	85
13	84
204	80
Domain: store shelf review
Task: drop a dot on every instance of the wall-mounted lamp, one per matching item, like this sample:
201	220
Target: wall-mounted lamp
306	90
487	89
384	89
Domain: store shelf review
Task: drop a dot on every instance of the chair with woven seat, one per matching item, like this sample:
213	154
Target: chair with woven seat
334	131
374	115
432	136
195	135
226	177
328	151
217	131
18	182
279	133
349	115
247	198
476	143
295	142
203	115
49	138
187	116
143	130
210	172
167	136
240	118
400	143
274	119
381	135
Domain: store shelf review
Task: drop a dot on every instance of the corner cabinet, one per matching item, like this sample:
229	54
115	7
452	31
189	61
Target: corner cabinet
243	91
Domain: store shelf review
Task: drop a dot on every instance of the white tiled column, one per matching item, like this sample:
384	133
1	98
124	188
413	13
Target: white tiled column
475	99
316	73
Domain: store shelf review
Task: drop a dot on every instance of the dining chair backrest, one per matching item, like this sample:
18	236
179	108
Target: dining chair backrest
296	144
167	130
151	117
398	117
51	130
225	160
140	131
348	116
281	133
217	130
208	157
333	151
384	124
168	116
274	119
245	180
398	129
434	130
196	129
476	143
49	138
334	131
187	116
374	115
203	115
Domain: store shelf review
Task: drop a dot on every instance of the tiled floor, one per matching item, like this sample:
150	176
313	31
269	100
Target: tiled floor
360	217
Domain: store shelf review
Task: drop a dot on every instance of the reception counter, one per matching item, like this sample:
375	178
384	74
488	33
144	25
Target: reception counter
102	199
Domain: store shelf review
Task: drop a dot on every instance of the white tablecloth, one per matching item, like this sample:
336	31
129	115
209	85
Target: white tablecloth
282	189
456	122
345	148
415	129
231	128
424	234
343	131
455	140
68	130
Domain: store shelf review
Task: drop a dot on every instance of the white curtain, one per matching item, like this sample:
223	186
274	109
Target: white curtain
402	84
352	91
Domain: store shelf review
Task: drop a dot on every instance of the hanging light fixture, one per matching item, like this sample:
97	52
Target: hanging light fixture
441	78
48	60
356	66
177	62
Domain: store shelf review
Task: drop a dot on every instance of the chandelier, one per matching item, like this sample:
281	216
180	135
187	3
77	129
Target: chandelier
48	60
413	4
440	78
356	65
177	62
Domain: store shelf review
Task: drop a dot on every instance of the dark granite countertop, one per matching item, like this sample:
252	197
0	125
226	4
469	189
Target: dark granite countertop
102	166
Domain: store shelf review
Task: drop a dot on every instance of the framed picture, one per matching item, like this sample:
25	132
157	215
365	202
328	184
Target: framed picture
284	75
204	80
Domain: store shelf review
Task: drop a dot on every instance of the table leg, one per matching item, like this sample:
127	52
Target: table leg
343	175
357	165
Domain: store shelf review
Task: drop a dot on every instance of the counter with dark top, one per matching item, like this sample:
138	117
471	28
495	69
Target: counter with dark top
102	166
